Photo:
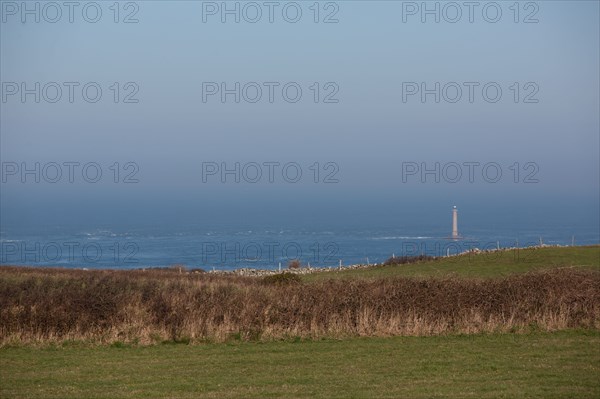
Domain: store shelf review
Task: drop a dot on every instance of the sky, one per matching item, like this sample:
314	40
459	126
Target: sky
164	130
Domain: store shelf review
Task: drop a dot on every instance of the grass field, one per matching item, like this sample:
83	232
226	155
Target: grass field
539	362
543	365
483	265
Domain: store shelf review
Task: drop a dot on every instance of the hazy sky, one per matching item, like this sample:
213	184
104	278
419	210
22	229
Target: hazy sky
365	125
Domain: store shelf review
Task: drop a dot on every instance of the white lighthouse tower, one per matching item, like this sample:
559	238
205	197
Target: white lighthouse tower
455	223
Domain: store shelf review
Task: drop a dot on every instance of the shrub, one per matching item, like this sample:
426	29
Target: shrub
294	264
145	307
403	260
282	278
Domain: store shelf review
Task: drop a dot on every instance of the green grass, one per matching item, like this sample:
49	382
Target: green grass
486	265
533	365
544	365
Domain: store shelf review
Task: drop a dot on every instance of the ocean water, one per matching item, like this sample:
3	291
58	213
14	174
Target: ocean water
263	245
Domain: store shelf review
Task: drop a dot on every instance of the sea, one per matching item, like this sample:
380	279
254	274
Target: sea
267	245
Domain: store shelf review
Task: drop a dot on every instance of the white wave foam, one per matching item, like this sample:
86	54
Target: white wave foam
402	238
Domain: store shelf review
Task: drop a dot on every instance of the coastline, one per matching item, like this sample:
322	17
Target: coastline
253	272
304	270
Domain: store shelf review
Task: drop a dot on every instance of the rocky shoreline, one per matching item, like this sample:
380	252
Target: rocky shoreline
250	272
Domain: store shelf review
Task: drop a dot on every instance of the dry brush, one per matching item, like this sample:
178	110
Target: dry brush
53	305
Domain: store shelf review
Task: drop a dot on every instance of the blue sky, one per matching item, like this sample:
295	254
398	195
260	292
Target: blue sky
366	57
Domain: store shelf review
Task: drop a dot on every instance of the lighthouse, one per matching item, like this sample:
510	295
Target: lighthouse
455	223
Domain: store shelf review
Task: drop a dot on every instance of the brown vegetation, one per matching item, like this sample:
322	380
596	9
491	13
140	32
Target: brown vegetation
294	264
403	260
282	278
52	305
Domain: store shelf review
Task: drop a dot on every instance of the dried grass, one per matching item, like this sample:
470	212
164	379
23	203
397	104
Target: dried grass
53	305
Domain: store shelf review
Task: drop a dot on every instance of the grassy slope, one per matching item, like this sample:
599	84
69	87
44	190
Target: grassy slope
561	364
495	264
548	365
